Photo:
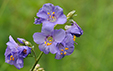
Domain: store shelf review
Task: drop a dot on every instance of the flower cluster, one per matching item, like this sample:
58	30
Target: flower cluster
15	53
55	41
50	40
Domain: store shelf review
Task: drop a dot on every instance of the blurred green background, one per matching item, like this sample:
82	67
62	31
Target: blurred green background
94	51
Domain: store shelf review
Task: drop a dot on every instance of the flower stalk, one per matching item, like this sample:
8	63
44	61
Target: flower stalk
41	53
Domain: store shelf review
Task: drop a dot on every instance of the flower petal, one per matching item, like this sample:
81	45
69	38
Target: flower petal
48	7
57	56
68	39
61	20
59	35
53	48
19	63
42	14
44	48
11	42
47	29
39	38
58	11
8	51
21	40
70	49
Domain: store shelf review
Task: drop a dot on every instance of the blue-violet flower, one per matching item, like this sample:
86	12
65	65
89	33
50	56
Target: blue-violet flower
74	29
50	15
66	47
48	38
15	53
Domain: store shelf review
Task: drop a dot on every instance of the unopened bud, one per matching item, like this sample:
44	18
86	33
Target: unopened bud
41	69
71	14
37	66
27	43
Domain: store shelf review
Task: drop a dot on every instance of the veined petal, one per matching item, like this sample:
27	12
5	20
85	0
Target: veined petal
38	38
59	35
48	7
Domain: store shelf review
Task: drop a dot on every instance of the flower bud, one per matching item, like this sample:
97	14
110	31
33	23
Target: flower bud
41	69
70	14
27	43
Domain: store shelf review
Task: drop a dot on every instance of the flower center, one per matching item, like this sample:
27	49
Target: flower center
63	50
11	57
49	40
51	17
25	51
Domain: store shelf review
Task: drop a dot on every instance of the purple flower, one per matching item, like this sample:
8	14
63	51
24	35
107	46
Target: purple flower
24	51
11	54
74	29
66	47
12	58
48	39
51	15
14	53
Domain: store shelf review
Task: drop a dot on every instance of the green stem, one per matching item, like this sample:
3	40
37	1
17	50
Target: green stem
36	61
34	53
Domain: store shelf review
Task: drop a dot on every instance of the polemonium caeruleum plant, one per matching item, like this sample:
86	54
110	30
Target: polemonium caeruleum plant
56	41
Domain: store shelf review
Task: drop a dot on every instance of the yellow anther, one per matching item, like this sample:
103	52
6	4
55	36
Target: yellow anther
62	50
45	42
66	48
11	57
61	53
64	53
53	12
74	37
48	13
49	44
50	40
52	16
